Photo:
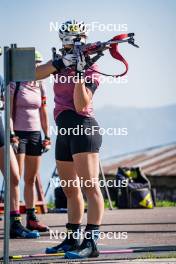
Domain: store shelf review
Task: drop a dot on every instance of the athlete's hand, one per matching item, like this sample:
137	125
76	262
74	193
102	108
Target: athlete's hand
81	62
46	144
69	60
61	63
14	140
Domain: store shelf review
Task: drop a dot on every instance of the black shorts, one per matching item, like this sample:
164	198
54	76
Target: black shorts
1	133
30	142
76	134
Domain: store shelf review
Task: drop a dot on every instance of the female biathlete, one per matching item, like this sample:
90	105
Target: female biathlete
77	156
28	115
17	230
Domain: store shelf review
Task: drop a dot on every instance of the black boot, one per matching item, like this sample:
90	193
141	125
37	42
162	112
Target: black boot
71	242
88	248
33	223
17	230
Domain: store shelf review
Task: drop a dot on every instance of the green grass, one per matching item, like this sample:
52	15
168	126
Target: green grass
159	203
107	205
51	205
153	256
165	203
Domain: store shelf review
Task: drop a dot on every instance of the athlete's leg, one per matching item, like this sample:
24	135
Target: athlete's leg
16	228
87	167
14	182
32	165
20	158
74	196
75	205
14	179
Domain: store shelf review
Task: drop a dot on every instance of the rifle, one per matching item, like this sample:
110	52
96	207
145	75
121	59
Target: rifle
99	47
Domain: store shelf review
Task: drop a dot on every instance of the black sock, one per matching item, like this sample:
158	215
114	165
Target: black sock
73	227
92	227
73	232
92	232
31	214
15	219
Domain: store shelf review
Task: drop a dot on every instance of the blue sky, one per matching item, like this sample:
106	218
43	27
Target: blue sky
151	77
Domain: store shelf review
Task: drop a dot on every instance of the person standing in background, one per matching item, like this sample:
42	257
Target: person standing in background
19	231
28	116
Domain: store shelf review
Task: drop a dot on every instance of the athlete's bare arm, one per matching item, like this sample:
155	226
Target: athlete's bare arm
82	96
43	71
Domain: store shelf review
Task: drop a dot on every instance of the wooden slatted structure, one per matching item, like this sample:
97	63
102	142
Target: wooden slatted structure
160	160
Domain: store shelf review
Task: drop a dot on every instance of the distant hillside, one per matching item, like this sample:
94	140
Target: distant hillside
146	127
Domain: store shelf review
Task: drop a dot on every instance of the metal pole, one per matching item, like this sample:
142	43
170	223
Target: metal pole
7	156
106	187
49	183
